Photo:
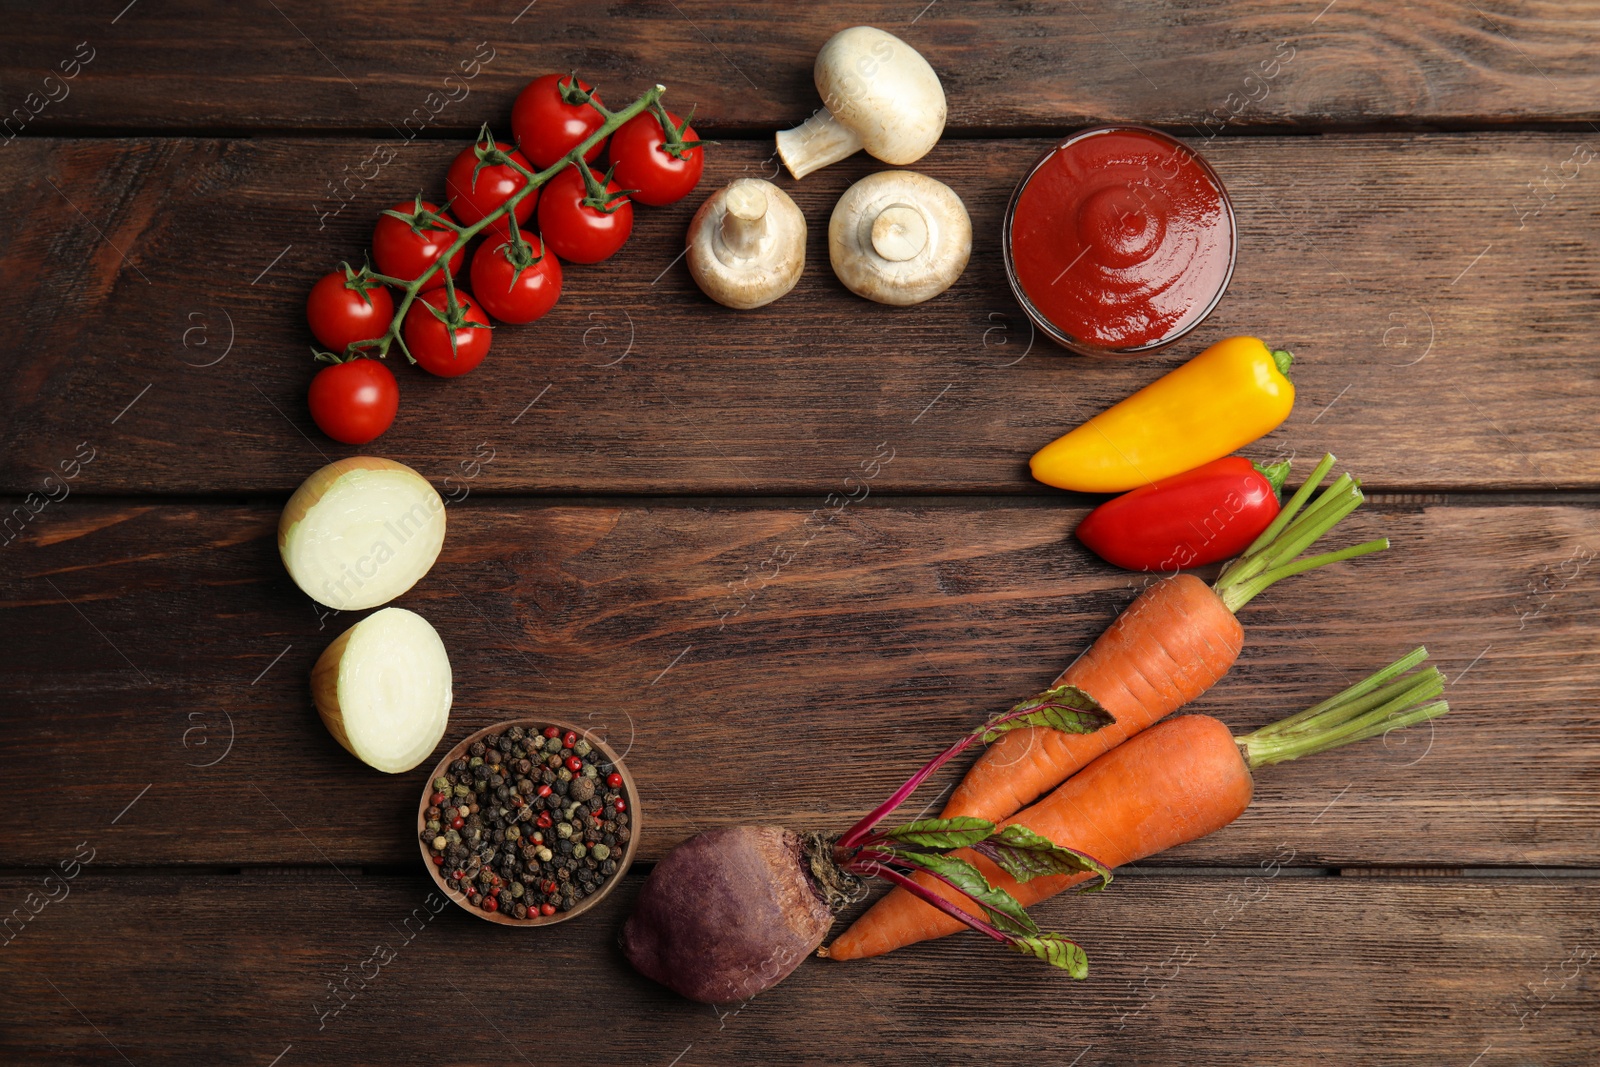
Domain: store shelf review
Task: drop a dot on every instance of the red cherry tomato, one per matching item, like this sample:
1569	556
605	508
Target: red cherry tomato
547	127
403	251
1202	516
343	309
354	401
428	339
642	163
473	196
576	231
513	295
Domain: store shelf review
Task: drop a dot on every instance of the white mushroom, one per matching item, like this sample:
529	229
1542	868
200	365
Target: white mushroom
878	93
747	244
899	237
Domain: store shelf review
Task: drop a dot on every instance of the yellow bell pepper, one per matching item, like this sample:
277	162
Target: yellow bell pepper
1224	398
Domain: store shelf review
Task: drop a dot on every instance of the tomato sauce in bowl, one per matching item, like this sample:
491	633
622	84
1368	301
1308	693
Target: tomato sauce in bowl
1119	240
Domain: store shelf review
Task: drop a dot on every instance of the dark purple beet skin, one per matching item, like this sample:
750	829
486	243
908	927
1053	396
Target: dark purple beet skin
727	914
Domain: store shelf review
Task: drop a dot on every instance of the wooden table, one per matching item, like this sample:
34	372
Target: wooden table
1416	191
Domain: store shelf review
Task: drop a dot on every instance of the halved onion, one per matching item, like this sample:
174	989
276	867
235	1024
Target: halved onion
361	531
383	689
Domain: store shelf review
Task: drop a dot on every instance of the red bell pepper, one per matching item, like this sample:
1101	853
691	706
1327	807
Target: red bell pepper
1210	513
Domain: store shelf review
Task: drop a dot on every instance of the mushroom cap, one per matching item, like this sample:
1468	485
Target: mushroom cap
882	88
899	237
766	263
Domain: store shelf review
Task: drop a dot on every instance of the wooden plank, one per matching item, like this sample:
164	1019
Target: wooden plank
1388	263
747	67
142	640
232	970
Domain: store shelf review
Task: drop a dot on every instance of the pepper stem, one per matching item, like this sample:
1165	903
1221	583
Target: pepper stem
1275	474
1284	359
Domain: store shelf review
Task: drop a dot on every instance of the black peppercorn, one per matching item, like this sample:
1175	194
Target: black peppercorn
477	748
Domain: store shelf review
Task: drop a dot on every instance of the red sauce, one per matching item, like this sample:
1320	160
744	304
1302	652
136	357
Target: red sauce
1121	238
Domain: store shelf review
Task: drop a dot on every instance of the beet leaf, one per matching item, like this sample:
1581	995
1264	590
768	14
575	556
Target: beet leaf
1023	855
1055	950
1062	707
1001	907
960	832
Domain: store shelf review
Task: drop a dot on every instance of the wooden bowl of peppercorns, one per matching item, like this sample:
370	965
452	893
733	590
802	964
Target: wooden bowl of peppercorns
529	822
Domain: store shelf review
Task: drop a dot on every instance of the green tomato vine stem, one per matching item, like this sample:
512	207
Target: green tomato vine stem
379	347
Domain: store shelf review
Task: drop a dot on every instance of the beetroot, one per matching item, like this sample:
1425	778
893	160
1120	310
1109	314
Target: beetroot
730	913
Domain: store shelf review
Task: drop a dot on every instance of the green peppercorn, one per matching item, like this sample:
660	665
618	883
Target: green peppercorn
564	774
583	748
563	830
462	791
517	889
434	824
600	852
545	855
578	852
475	761
591	771
453	837
441	784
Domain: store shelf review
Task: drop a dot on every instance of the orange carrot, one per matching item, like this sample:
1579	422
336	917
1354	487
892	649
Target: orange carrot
1176	782
1174	642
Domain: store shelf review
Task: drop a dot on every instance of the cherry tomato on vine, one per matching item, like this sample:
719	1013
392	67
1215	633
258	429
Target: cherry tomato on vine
574	230
476	191
552	117
512	295
428	338
641	162
354	401
402	250
344	308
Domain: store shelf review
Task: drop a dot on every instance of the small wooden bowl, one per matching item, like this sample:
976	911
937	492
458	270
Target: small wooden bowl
625	861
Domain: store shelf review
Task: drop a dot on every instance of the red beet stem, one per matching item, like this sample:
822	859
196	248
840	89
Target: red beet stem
916	888
852	837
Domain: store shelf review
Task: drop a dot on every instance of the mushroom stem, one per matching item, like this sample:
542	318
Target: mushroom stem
899	233
817	142
744	220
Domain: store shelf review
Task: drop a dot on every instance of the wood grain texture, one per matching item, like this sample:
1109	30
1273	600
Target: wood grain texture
747	67
236	970
775	664
1443	330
